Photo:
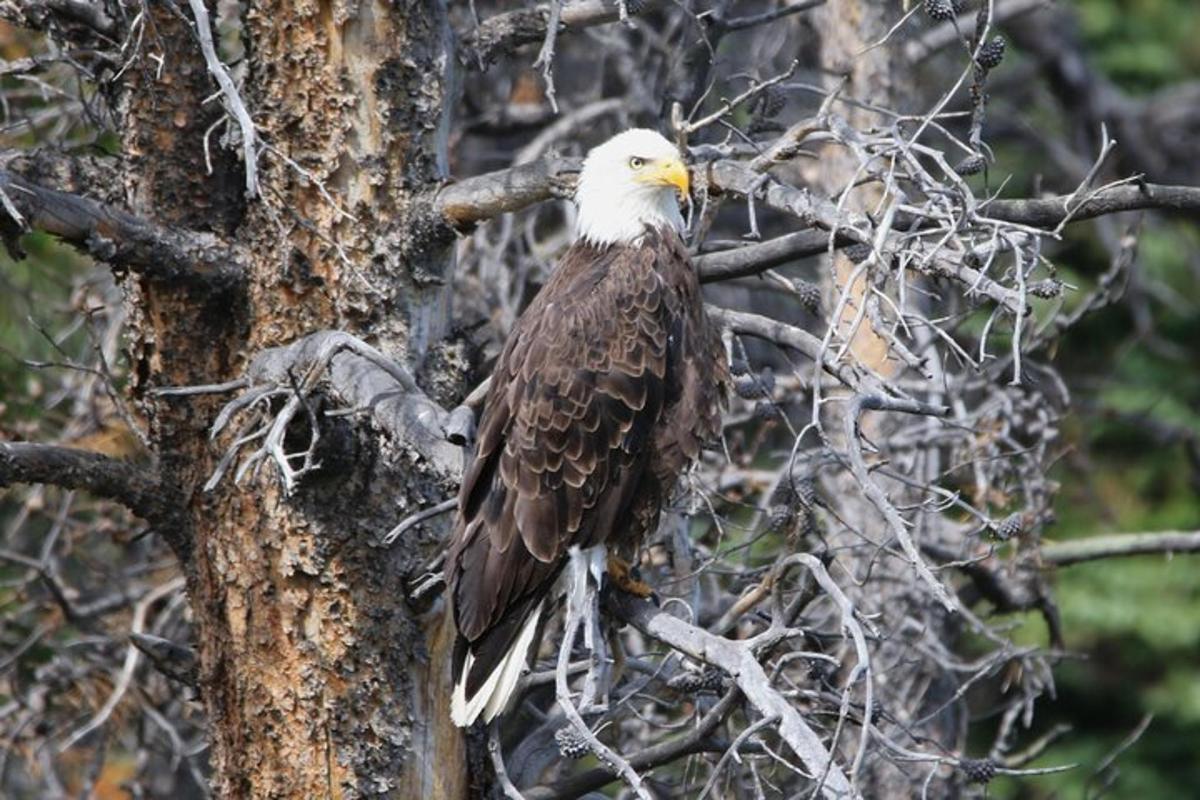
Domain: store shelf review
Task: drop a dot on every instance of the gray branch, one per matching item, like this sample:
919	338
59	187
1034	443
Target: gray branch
1050	211
756	258
504	32
465	204
738	660
795	338
362	377
876	495
1120	544
233	100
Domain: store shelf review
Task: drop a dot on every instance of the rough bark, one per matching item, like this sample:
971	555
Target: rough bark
318	678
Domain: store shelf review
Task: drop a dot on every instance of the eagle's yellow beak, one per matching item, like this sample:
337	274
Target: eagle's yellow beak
667	172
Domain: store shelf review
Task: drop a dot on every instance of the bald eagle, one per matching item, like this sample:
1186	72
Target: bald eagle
610	383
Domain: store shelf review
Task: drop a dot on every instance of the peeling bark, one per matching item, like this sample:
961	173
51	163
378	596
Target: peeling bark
318	678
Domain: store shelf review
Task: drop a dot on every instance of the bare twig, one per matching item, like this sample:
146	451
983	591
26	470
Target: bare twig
582	585
124	678
233	99
870	488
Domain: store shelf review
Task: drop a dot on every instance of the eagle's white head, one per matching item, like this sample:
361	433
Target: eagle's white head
634	179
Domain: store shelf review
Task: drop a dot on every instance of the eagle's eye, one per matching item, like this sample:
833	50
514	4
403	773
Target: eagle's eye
636	163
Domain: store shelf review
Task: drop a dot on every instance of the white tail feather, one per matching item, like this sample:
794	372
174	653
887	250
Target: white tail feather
493	697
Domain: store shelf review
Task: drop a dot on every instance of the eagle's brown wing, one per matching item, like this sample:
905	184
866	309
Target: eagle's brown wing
562	444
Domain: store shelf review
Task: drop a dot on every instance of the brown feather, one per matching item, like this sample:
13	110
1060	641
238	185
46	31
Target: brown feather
610	383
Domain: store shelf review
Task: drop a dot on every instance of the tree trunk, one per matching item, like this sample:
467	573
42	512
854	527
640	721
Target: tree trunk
318	678
847	31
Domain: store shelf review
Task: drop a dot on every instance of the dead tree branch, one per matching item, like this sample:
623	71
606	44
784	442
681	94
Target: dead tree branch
738	660
134	487
466	203
756	258
790	336
233	99
119	238
137	488
1119	545
876	495
361	376
1049	212
511	29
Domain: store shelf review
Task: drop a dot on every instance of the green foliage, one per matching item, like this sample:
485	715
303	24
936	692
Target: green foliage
1131	463
1143	44
34	300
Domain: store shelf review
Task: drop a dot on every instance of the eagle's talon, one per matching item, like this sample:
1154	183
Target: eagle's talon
626	578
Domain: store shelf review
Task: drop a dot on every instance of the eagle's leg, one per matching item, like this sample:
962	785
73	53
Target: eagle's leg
587	570
622	575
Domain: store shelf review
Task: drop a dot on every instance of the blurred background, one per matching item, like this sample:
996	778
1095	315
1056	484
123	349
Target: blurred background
1132	455
1130	461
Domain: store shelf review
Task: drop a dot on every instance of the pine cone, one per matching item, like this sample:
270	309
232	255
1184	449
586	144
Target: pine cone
978	770
809	295
939	10
781	518
712	680
858	253
784	495
772	101
971	165
687	682
570	743
1046	289
821	671
992	53
1012	526
748	387
806	491
767	379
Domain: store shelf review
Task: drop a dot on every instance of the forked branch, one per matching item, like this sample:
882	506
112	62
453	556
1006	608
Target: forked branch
359	374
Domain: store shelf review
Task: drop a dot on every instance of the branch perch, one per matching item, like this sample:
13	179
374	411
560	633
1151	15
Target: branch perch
737	659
